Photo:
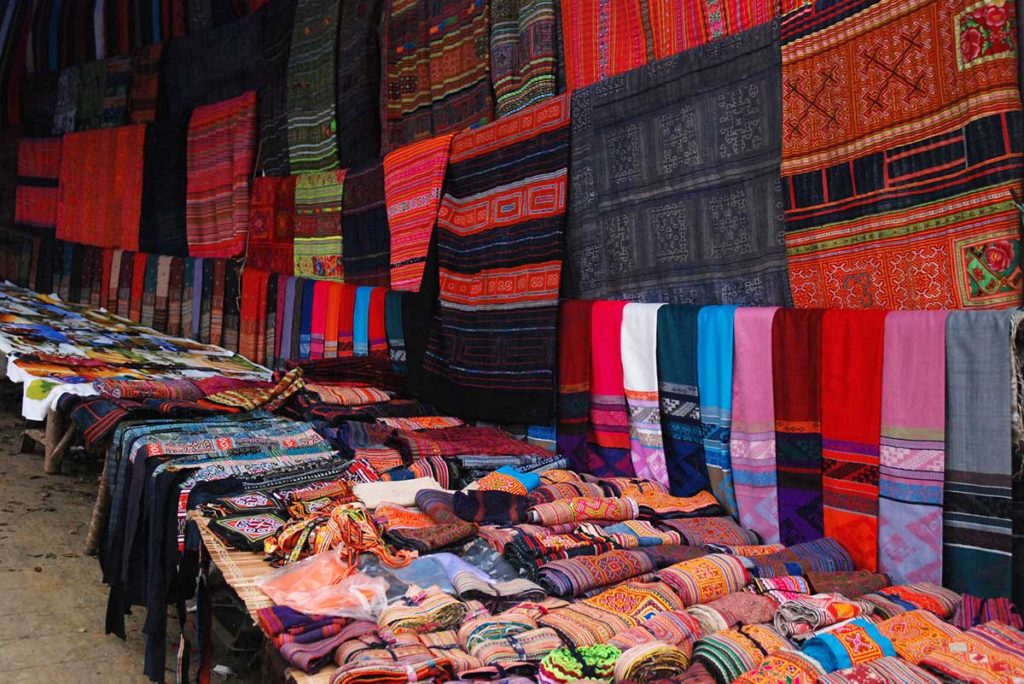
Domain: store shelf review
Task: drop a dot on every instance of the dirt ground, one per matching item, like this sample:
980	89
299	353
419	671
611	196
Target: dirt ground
52	599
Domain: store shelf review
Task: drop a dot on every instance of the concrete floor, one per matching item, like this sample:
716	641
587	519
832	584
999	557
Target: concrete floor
52	599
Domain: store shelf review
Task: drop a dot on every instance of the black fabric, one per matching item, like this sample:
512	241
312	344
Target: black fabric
164	183
273	95
38	103
358	82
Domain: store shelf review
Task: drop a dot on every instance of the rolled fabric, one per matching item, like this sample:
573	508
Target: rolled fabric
823	555
780	589
784	665
987	653
582	509
490	507
746	550
850	584
917	633
740	607
704	579
853	643
883	670
650	662
553	491
423	611
576	576
445	645
926	595
675	627
383	672
712	530
529	646
803	615
593	663
729	654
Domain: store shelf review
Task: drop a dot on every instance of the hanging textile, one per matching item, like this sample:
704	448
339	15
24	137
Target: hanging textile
492	345
90	91
680	401
358	78
899	193
752	440
912	455
346	320
37	193
361	322
978	497
318	242
394	327
213	66
714	374
524	55
101	187
852	349
273	92
115	90
796	376
39	103
413	176
609	419
271	224
665	206
312	122
573	403
366	238
67	101
221	148
145	84
318	322
602	39
253	310
164	187
436	65
640	381
331	321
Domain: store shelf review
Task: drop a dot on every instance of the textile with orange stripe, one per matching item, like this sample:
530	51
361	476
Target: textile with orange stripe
253	325
901	148
602	38
221	152
491	350
101	187
851	424
35	207
412	189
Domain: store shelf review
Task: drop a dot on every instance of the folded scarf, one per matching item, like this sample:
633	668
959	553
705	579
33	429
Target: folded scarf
882	671
593	663
917	633
490	507
609	446
973	611
582	509
650	662
640	381
803	615
701	531
784	665
855	642
704	579
575	576
822	555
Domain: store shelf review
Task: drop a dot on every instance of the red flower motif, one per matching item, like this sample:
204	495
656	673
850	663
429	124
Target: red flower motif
970	44
995	16
999	255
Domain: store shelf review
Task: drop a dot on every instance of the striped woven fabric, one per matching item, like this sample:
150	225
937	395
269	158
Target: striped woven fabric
729	654
312	123
499	246
575	576
115	90
523	53
705	579
145	83
412	188
221	151
366	237
37	193
318	241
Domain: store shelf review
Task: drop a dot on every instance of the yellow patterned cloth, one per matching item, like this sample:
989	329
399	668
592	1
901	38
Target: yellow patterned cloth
704	579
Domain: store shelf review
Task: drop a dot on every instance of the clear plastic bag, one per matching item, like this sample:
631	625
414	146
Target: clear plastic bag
324	584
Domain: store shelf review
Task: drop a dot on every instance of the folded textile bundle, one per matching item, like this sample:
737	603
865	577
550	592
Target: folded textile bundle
720	531
667	555
575	576
529	646
783	665
849	584
597	619
446	645
631	534
991	652
732	609
445	527
675	627
490	507
926	595
857	641
782	588
704	579
475	632
650	662
312	655
729	654
398	672
627	486
496	595
660	505
528	552
881	671
582	509
746	550
464	440
553	491
508	479
429	610
803	615
916	633
973	611
184	390
346	395
593	663
821	555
